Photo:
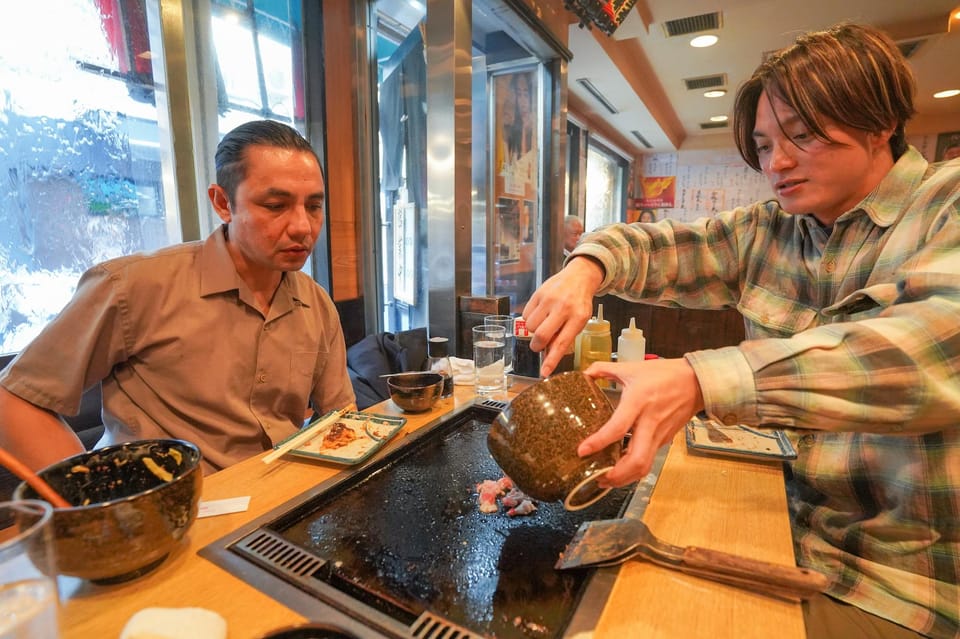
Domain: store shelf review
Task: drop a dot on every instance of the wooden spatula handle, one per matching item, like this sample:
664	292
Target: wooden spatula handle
803	581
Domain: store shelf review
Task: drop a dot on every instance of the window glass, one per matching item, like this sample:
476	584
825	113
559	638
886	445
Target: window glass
604	187
80	151
402	102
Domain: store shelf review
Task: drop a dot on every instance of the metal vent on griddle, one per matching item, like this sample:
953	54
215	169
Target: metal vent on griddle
428	626
692	24
494	403
279	554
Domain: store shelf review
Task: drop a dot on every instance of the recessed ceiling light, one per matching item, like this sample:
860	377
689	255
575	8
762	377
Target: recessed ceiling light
718	118
949	93
704	41
715	93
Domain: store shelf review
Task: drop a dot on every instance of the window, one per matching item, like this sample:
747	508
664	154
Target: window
605	190
81	141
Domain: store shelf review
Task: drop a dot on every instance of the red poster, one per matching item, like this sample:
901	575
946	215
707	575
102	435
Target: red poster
658	192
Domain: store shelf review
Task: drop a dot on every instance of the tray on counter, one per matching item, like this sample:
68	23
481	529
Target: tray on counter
708	436
371	432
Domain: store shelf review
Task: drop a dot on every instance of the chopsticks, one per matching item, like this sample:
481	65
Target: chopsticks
305	435
34	480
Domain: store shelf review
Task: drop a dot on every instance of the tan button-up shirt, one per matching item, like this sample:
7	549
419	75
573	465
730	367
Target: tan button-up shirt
183	352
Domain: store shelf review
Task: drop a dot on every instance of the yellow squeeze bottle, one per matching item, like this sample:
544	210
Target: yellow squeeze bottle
595	344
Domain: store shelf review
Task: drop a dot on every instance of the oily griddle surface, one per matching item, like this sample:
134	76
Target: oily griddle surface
409	537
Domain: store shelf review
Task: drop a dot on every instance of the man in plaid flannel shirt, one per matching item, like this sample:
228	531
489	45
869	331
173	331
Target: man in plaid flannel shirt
849	285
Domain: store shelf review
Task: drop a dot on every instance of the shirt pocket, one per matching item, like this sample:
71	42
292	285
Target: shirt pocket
304	363
770	314
863	304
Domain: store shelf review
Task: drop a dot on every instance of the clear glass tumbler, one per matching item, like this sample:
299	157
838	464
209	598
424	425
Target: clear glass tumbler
488	348
28	574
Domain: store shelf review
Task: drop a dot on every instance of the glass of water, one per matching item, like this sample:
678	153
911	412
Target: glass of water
28	573
506	321
488	348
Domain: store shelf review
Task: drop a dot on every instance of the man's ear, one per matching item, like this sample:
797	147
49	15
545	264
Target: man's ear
881	139
220	201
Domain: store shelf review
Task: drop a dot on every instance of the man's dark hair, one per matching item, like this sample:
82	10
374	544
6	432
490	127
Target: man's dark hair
853	74
230	158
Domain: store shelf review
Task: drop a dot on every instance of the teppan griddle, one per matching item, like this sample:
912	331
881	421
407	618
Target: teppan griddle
398	548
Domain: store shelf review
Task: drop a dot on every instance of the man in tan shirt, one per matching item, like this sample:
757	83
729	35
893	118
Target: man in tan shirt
223	342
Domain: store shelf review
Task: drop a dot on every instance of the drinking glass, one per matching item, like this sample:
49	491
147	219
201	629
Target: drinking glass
506	321
28	576
488	347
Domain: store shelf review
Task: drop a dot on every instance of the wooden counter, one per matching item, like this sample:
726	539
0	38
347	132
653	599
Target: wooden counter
734	506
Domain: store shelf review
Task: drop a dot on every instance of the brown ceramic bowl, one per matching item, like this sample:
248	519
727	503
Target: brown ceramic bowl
535	440
131	504
415	392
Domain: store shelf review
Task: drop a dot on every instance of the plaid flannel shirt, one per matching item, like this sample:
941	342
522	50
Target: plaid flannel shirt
854	346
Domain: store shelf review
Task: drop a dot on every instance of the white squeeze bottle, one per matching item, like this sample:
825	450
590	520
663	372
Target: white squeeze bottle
631	347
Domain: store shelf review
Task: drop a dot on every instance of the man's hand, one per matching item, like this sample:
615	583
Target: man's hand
659	397
560	308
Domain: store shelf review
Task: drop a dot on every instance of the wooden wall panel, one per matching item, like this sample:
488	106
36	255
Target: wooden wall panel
342	154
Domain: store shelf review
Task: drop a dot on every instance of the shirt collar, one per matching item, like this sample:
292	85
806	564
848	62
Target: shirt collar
886	202
217	272
219	275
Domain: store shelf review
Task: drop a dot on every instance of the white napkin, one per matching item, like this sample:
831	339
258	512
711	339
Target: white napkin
462	371
175	623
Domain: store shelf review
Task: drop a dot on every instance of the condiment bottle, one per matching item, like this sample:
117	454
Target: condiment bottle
632	346
525	361
595	344
439	362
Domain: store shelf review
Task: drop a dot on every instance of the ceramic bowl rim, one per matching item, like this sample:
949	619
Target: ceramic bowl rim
18	492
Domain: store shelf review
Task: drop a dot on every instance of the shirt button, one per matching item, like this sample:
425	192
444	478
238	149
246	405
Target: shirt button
730	419
262	377
831	266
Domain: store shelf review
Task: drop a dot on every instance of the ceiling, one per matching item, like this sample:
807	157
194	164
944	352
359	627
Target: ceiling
641	71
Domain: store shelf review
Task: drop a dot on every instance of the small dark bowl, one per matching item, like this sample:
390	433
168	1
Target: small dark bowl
310	631
417	392
131	504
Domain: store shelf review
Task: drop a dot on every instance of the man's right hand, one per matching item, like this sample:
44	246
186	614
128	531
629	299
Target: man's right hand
560	308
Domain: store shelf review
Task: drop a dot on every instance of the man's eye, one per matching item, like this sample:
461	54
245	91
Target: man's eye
763	148
274	206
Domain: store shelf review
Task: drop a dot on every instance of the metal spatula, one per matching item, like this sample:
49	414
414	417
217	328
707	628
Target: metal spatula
613	541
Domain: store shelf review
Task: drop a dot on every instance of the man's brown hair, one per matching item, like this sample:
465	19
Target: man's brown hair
852	74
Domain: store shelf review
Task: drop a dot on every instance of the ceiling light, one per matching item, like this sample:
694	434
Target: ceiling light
949	93
715	93
704	41
718	118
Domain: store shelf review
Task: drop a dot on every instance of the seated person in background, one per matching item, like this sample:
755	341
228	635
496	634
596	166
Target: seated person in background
647	215
572	230
222	342
849	284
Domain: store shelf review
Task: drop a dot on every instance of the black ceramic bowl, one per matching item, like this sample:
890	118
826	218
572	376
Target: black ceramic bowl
131	504
415	392
311	631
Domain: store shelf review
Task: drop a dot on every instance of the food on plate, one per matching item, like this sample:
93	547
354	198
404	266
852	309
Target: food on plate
339	435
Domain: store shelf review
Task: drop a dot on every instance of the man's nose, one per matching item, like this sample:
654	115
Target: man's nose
781	157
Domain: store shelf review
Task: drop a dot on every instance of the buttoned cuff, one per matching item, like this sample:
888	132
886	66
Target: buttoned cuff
727	384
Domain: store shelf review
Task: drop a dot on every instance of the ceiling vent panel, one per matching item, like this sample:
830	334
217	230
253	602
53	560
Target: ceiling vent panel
692	24
642	139
595	92
713	125
706	82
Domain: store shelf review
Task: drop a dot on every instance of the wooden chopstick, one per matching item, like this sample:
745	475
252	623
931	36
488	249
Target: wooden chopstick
34	480
305	435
